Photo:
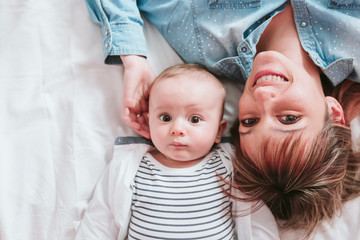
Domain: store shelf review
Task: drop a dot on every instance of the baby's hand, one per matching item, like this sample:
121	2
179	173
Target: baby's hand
138	76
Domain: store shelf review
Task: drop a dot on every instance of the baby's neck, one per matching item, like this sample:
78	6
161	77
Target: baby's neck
173	163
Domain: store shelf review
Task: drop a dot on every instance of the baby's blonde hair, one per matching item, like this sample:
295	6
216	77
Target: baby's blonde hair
196	72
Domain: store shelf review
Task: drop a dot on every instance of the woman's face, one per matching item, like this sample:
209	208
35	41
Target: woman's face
280	97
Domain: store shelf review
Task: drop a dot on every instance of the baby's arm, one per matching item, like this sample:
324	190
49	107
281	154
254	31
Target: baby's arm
254	225
124	42
98	221
109	211
263	225
249	224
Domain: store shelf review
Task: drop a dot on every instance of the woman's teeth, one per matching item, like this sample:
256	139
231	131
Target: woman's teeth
271	78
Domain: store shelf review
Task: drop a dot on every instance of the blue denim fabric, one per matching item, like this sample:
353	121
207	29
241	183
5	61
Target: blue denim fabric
222	34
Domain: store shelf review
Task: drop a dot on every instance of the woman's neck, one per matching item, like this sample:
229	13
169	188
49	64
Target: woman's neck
281	36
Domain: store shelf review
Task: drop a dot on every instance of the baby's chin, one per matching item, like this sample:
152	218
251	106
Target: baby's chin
177	160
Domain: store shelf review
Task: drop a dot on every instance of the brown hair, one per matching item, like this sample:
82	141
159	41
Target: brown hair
348	95
302	182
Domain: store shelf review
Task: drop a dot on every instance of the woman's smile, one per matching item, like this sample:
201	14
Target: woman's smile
269	76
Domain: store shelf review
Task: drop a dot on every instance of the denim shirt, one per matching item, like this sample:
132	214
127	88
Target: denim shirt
222	34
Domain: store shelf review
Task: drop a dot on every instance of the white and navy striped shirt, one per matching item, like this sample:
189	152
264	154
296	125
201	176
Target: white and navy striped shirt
181	203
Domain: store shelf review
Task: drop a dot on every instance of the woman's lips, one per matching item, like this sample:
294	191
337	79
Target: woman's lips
266	76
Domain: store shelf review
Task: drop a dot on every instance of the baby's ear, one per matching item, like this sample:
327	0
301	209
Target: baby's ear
222	127
146	117
335	110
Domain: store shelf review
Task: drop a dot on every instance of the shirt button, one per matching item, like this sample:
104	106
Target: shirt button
244	49
107	45
303	24
318	61
106	32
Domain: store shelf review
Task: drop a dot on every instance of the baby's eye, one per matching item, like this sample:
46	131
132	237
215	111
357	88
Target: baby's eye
249	122
194	119
165	118
289	119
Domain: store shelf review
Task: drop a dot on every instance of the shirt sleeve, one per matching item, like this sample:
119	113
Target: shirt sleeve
254	222
121	28
98	221
109	210
263	224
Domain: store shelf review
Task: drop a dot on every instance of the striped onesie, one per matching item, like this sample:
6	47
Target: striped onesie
181	203
138	198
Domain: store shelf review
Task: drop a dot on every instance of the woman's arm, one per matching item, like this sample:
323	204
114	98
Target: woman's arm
122	32
98	221
121	28
138	76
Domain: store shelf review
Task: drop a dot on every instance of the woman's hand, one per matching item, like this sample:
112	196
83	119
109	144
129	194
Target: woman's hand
138	76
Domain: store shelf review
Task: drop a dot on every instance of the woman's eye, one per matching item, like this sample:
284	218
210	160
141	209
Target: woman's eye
249	122
289	119
165	118
194	119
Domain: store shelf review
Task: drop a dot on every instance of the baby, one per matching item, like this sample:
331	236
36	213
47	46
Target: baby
175	189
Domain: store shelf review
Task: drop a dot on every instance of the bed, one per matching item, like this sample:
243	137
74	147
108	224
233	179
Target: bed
60	114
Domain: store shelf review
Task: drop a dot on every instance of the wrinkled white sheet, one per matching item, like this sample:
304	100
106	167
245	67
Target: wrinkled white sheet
59	114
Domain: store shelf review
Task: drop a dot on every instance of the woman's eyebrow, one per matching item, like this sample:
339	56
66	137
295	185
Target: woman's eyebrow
244	133
289	130
277	129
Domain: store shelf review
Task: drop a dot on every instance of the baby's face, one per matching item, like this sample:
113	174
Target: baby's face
185	117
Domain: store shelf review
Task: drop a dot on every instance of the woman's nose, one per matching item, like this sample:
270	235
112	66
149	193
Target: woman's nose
264	94
264	98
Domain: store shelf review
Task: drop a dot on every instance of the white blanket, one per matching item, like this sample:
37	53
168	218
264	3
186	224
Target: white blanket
59	113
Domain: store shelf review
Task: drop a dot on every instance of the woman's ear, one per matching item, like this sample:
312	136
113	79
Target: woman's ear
335	110
222	127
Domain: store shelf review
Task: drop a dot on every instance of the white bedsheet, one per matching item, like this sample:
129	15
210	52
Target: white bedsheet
59	113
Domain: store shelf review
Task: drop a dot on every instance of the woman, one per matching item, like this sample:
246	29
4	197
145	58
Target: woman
281	48
294	146
305	180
